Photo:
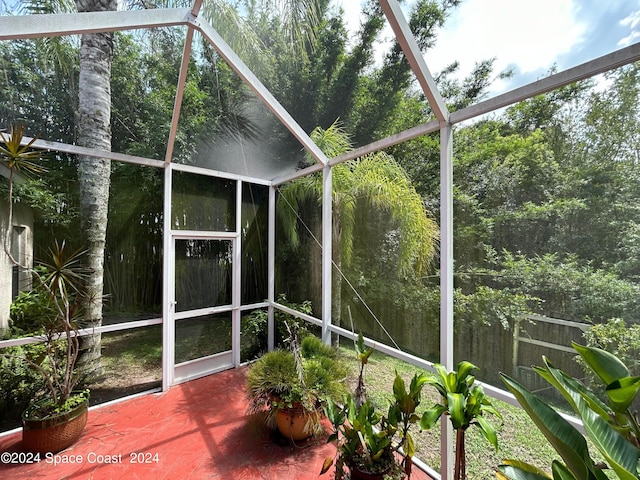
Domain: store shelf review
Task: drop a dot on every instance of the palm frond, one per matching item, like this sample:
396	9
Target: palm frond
300	19
42	7
236	32
384	184
18	157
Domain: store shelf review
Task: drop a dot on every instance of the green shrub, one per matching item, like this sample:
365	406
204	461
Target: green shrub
19	383
28	311
312	346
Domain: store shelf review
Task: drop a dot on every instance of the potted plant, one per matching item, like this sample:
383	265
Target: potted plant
465	403
610	424
288	386
58	416
372	445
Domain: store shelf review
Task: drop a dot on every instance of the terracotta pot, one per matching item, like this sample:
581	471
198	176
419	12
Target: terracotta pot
357	474
296	423
360	472
55	433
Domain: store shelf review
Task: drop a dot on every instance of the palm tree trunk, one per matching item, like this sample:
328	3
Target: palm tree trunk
94	131
336	281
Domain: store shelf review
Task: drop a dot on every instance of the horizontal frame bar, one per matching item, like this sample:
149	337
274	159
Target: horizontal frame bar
16	27
583	71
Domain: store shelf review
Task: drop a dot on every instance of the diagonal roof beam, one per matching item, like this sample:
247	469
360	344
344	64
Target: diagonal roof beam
227	53
182	80
37	26
177	102
412	51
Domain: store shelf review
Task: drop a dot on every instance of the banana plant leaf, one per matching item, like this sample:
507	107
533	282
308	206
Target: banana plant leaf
565	439
561	472
517	470
621	388
604	364
622	393
563	383
620	454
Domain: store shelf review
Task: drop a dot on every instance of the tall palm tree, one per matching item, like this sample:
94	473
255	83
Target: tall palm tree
94	131
378	181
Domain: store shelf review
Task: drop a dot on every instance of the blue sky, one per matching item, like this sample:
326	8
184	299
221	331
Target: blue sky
528	36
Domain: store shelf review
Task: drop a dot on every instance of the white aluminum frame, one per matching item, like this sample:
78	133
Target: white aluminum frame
185	371
35	26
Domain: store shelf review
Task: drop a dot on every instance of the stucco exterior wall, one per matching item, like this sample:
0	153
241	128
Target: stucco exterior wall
22	250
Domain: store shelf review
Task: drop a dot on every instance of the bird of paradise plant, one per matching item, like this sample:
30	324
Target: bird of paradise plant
611	425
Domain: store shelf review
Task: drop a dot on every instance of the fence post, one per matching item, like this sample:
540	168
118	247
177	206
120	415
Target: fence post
516	344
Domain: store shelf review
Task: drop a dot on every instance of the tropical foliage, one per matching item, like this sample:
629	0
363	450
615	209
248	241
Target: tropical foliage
611	424
305	375
464	402
367	440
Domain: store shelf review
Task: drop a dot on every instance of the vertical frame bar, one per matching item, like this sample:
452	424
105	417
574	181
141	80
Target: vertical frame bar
516	347
271	264
327	254
168	279
236	275
446	283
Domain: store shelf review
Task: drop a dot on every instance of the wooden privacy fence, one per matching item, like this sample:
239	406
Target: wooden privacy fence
516	349
537	335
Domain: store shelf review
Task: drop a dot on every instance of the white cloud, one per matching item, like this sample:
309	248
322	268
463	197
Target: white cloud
527	35
632	22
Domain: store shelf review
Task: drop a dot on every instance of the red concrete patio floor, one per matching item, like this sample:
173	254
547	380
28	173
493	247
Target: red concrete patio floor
196	430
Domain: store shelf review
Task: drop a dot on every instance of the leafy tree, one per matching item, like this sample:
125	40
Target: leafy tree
375	181
381	92
569	289
617	337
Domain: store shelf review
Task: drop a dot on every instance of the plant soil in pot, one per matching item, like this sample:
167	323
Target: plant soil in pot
55	432
363	470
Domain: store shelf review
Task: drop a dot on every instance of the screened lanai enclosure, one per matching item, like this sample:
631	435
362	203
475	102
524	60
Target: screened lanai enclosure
251	172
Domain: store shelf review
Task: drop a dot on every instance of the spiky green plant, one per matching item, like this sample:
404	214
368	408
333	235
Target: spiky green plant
60	282
278	381
17	158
